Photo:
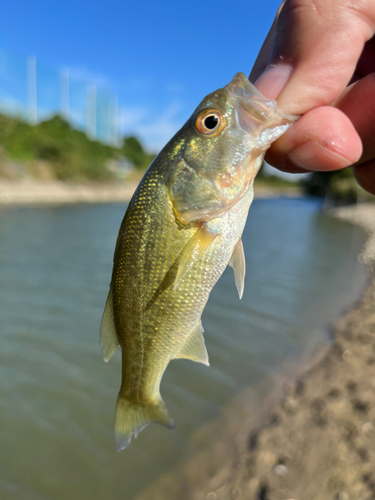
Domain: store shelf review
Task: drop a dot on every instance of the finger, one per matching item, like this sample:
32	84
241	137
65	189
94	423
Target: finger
315	52
323	139
358	103
365	64
264	55
365	176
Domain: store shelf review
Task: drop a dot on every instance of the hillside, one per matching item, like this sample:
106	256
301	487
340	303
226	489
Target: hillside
54	150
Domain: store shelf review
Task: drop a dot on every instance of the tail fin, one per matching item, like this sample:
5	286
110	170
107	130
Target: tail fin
132	417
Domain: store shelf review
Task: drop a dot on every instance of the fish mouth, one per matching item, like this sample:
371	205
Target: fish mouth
254	113
241	87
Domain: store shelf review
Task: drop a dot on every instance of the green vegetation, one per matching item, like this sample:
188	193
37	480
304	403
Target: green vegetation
276	184
132	150
54	150
340	186
69	153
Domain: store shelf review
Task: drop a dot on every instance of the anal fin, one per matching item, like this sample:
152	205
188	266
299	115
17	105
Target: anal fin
201	240
237	262
108	334
194	347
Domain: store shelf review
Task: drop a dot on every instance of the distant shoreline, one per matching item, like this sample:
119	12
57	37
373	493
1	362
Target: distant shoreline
33	192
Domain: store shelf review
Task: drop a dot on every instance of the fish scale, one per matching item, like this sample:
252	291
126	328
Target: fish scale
174	313
182	228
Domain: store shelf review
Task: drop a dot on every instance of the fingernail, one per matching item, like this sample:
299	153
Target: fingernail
273	79
312	156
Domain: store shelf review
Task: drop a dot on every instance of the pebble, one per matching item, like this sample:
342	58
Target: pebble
281	470
267	458
367	427
349	358
343	496
346	356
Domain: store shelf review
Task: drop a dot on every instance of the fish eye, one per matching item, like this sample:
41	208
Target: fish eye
209	121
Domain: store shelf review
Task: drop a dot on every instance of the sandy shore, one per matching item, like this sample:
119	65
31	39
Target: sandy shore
28	192
318	442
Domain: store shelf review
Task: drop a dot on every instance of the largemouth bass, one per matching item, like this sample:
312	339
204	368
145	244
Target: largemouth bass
182	228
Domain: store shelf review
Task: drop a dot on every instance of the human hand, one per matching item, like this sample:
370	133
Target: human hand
318	60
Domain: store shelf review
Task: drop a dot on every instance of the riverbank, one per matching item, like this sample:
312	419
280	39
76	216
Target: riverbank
29	192
318	443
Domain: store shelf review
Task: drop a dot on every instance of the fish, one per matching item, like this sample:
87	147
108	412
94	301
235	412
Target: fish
182	228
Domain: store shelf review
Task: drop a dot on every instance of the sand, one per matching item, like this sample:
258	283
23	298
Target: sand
317	442
30	192
53	192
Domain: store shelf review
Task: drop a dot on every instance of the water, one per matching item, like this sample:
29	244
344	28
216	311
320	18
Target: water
57	396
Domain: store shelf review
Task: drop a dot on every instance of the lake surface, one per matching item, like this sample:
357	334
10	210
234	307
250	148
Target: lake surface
57	396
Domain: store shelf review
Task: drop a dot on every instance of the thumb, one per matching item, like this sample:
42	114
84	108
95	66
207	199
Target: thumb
316	47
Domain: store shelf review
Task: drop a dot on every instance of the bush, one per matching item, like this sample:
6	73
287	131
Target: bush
69	152
339	186
133	150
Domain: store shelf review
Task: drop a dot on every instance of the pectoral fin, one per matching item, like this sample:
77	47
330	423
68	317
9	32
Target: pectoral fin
201	240
108	335
195	348
237	262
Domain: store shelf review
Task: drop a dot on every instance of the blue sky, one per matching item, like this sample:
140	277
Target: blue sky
161	58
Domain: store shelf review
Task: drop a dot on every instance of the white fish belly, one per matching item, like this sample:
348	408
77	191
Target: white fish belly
191	295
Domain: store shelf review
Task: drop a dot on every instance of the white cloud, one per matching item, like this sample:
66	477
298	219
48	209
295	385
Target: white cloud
12	106
154	130
128	118
84	74
157	132
78	118
13	74
135	84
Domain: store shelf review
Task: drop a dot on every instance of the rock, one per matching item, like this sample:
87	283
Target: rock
281	470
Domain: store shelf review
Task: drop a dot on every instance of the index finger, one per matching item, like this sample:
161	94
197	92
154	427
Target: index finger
264	55
316	47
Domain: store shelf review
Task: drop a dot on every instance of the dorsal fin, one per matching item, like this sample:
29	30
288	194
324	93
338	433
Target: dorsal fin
108	334
199	242
237	262
194	347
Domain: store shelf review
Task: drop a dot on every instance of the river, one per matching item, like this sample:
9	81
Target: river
57	396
